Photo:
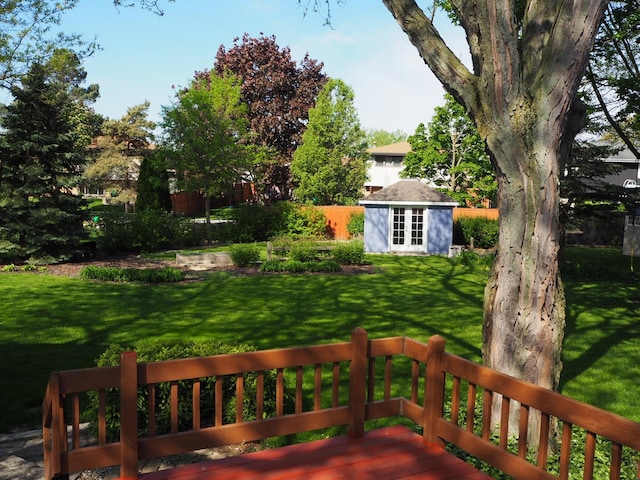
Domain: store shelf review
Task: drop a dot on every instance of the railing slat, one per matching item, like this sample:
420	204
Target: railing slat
260	396
616	461
335	400
102	417
505	409
218	404
152	410
523	430
317	387
196	404
455	401
589	456
471	407
299	397
279	392
174	406
543	441
565	450
487	402
239	398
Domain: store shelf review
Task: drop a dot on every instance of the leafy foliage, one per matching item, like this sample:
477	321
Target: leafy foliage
40	159
330	165
203	132
118	150
244	254
613	75
450	153
355	225
279	94
154	351
349	253
153	185
297	266
484	231
146	275
255	222
145	231
378	138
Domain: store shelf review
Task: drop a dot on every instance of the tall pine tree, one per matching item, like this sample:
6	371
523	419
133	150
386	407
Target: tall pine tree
40	156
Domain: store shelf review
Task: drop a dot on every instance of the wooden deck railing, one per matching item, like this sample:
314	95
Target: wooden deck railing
352	382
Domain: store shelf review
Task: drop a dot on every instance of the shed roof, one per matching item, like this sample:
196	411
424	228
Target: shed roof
409	192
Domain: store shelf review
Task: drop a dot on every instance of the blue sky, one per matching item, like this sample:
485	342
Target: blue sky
143	54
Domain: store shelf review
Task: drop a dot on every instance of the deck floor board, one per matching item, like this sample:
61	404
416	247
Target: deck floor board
391	453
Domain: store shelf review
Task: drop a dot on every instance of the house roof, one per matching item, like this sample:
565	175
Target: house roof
408	192
400	148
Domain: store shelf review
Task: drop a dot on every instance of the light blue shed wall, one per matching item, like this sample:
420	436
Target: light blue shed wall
376	229
440	233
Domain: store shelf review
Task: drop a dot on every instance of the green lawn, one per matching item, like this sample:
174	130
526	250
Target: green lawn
53	323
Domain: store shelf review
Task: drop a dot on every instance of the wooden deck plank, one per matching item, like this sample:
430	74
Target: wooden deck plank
383	454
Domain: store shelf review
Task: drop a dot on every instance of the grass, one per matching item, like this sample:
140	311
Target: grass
54	323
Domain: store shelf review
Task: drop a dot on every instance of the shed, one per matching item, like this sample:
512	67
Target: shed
408	217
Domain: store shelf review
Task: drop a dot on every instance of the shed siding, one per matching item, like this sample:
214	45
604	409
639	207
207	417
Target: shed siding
376	229
440	233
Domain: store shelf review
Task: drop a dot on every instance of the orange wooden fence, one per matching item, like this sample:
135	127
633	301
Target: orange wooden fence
335	384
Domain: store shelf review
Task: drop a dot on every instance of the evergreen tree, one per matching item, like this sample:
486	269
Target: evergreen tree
153	185
330	165
40	156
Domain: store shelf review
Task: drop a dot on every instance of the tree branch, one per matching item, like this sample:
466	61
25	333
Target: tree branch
444	64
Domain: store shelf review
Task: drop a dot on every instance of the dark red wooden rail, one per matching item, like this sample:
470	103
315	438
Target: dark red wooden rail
391	377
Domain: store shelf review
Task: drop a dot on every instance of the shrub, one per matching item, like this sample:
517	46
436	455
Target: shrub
349	253
483	230
154	351
244	255
252	222
355	225
141	232
296	266
303	251
472	259
147	275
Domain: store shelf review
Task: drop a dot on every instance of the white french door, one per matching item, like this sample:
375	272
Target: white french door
408	229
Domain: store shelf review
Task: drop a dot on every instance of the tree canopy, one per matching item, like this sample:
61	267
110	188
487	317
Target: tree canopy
330	165
119	149
203	136
450	153
41	155
278	93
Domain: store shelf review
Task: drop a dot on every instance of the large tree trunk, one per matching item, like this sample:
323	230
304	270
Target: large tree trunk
527	66
524	301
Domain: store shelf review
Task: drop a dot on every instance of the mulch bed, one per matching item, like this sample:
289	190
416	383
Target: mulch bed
72	269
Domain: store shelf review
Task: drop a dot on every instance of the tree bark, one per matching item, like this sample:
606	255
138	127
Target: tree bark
526	72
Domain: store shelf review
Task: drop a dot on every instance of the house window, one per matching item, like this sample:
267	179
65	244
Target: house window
417	226
398	226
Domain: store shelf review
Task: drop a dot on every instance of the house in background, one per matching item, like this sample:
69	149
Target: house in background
408	217
385	165
629	176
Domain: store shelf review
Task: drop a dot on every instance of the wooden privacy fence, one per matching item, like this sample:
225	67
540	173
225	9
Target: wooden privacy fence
335	384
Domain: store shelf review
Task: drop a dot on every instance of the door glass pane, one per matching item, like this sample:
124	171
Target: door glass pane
417	226
398	226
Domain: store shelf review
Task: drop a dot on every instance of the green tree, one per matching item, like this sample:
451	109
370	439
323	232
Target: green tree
153	184
119	150
278	94
379	138
613	74
203	134
528	59
330	165
451	154
41	155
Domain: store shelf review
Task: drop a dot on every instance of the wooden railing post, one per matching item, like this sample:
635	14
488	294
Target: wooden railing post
434	392
358	382
128	416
